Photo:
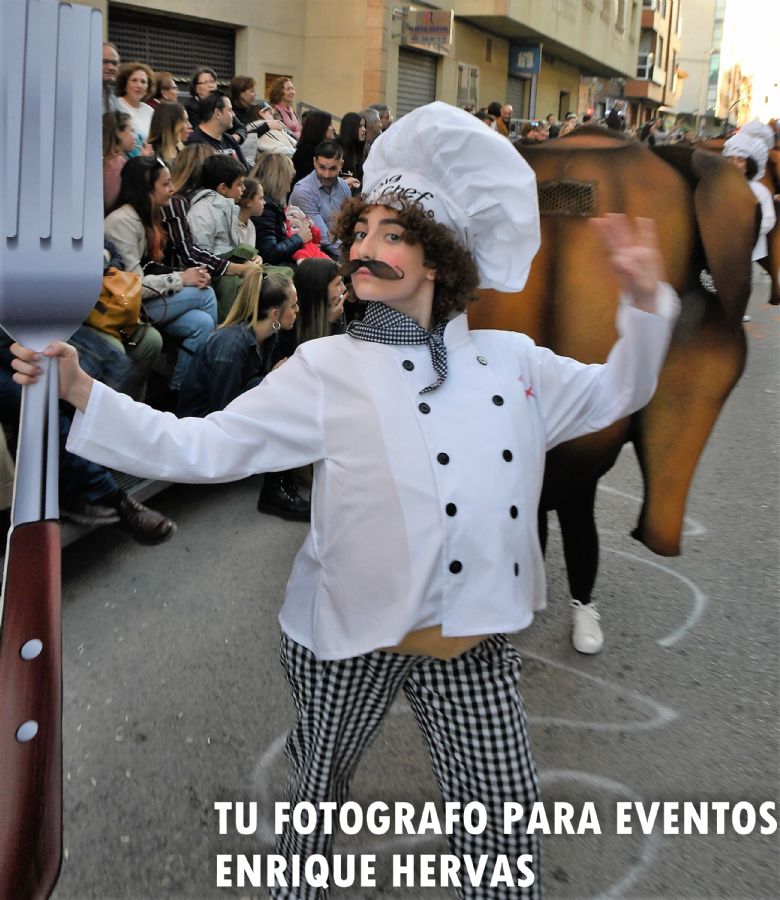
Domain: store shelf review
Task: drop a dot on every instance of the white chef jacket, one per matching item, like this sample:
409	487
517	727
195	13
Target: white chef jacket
766	202
424	507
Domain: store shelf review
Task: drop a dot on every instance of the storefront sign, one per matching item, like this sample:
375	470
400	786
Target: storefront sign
525	59
428	29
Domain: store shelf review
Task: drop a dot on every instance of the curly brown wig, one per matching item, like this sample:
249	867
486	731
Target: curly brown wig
456	271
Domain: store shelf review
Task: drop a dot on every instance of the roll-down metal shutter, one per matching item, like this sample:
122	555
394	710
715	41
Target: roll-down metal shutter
416	80
173	45
515	96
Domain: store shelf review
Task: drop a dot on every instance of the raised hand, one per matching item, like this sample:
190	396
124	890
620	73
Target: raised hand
635	256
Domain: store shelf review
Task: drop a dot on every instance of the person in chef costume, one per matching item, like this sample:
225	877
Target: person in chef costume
749	150
428	441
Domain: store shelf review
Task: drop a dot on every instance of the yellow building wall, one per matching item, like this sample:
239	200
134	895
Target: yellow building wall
587	26
556	77
333	74
343	54
470	46
322	45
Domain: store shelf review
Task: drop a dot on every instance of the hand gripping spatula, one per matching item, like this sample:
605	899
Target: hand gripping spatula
50	269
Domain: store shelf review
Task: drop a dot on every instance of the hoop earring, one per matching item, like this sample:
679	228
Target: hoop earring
275	325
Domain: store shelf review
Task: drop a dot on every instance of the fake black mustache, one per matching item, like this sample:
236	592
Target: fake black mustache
375	266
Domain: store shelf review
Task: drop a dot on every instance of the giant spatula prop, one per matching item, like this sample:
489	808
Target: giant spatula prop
50	268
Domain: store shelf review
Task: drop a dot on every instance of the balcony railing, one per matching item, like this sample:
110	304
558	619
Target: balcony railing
647	69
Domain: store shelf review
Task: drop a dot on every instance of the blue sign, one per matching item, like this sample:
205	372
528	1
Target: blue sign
525	59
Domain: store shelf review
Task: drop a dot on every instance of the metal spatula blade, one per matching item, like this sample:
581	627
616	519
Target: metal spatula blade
50	267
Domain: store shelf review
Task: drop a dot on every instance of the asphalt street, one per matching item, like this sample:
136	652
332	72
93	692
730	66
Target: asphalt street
174	698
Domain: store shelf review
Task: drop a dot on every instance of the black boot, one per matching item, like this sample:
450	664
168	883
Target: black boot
279	497
144	525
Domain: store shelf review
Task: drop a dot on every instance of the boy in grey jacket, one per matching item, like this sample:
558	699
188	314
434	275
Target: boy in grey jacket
213	213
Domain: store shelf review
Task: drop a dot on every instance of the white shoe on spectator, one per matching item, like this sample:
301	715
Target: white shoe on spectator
586	633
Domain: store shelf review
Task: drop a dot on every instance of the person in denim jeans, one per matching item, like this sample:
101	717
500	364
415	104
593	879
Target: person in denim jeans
189	316
181	304
89	493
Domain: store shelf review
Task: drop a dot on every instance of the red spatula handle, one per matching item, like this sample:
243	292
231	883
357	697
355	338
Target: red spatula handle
31	714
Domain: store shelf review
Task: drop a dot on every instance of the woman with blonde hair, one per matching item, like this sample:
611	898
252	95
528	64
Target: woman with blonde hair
185	171
241	352
275	172
168	130
281	95
237	357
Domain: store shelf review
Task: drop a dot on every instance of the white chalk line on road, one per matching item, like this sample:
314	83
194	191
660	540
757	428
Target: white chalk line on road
699	597
692	527
260	781
607	785
660	715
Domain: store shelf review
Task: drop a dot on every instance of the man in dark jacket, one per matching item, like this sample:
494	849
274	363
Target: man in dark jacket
216	113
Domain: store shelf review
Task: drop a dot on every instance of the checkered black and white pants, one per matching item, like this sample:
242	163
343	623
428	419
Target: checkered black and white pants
471	715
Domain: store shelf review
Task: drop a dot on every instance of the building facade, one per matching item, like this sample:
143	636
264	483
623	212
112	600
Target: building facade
551	57
656	86
700	64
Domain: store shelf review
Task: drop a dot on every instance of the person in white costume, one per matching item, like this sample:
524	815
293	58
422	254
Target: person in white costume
428	441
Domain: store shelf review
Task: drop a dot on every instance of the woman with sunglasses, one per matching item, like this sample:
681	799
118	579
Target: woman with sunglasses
180	304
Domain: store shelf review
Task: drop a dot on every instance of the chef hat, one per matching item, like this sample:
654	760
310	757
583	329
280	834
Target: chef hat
757	129
470	178
743	145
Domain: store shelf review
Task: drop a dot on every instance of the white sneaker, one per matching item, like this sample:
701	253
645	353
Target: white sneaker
586	634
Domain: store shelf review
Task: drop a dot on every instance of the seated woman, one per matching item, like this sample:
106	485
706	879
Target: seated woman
317	127
243	350
134	85
275	174
352	138
168	131
118	141
276	139
166	90
281	95
321	293
247	109
180	304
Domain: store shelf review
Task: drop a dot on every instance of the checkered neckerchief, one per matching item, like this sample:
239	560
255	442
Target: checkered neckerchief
388	326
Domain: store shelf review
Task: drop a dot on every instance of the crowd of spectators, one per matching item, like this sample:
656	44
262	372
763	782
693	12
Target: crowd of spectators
500	117
197	181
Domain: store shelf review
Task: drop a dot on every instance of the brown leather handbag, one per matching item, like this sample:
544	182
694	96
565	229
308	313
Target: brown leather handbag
118	311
